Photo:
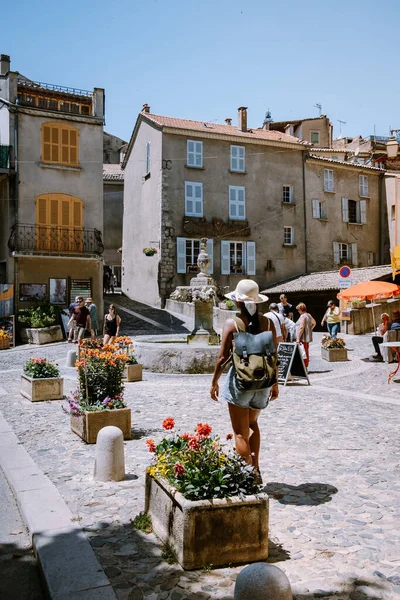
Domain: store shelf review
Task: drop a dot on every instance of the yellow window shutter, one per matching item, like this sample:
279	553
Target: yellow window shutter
54	212
46	152
54	153
77	220
54	134
65	213
41	210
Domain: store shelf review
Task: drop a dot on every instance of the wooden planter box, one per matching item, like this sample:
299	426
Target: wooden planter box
42	335
209	532
334	354
36	390
358	305
88	425
4	344
133	373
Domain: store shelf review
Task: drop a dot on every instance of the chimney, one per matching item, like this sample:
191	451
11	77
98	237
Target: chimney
146	108
4	64
266	125
228	121
242	118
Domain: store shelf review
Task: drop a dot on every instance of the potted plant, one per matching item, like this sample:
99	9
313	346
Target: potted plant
204	500
150	251
99	401
41	380
39	324
4	339
357	304
333	350
133	370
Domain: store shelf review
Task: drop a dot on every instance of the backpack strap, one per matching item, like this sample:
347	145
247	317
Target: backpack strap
240	326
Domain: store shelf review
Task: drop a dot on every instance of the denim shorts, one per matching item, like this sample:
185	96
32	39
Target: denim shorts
256	399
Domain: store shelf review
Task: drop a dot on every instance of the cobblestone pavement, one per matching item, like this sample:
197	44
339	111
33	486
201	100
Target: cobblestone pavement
329	459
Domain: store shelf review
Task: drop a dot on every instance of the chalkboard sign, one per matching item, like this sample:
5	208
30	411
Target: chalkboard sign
291	362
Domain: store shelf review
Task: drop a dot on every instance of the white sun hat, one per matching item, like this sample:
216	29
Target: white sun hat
247	291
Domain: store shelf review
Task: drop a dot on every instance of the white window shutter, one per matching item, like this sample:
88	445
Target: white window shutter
241	158
210	252
336	253
363	211
232	202
234	158
251	258
190	153
181	255
315	209
345	210
225	258
198	191
199	154
326	179
291	194
241	202
354	254
189	198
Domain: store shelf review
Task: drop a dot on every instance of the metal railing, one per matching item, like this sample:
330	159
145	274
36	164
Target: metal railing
54	88
5	157
45	239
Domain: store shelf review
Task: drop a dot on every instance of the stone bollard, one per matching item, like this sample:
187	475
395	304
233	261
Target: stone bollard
262	581
71	358
110	459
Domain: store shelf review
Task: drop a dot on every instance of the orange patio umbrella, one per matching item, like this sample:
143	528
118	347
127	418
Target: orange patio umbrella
370	290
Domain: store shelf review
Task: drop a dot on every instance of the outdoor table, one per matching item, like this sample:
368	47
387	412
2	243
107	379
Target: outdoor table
394	346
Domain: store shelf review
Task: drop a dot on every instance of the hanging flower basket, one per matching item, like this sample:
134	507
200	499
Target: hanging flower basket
149	251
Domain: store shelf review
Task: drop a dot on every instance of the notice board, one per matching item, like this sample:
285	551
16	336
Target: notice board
291	362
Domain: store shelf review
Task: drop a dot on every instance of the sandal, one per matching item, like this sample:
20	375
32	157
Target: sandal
257	476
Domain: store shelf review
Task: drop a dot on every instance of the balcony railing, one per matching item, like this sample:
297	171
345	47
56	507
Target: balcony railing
5	157
39	85
44	239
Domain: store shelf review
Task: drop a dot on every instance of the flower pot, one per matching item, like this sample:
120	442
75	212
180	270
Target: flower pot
88	425
36	390
360	304
209	532
334	354
43	335
4	344
133	373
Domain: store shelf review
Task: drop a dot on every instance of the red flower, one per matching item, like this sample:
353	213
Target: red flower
203	429
185	436
151	445
168	424
193	443
229	436
179	469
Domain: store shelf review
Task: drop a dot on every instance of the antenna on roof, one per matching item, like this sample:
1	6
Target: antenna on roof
319	106
340	126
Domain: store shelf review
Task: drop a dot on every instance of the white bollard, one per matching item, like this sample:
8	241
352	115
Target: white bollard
262	581
71	358
110	458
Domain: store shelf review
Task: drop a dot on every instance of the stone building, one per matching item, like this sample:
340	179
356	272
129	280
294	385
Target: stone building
271	205
51	189
317	131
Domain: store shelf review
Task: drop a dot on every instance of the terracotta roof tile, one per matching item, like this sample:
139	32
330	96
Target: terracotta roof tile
112	173
343	163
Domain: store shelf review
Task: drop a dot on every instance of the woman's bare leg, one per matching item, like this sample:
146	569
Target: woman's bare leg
255	436
241	429
106	339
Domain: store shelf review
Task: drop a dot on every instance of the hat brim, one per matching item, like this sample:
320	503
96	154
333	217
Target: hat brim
235	298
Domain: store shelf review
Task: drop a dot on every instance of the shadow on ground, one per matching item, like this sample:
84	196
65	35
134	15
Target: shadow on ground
20	579
305	494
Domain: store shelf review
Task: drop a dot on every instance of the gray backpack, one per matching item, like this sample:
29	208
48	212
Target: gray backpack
254	360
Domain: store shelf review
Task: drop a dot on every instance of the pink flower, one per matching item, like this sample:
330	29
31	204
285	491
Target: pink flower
193	443
179	469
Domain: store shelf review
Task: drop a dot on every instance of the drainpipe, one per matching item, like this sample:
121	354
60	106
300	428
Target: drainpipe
305	214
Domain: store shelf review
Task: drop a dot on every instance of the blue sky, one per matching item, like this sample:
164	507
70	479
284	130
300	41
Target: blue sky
203	59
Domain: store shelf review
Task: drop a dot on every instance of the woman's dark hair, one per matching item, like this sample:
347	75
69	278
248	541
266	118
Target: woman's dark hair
254	321
112	306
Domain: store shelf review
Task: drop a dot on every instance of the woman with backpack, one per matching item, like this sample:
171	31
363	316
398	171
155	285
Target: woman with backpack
247	392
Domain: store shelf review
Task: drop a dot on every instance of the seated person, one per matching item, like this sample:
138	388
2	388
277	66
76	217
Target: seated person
396	320
378	338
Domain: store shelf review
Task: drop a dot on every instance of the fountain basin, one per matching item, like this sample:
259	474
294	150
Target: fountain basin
172	354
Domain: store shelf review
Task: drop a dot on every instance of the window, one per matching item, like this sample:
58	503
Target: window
237	202
193	199
393	212
187	251
148	158
370	259
343	253
329	182
314	137
59	144
364	186
59	221
194	154
238	158
238	258
288	236
287	194
354	211
319	210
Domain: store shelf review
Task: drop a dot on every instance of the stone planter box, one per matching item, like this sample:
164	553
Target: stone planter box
42	335
37	390
133	373
88	425
209	532
334	354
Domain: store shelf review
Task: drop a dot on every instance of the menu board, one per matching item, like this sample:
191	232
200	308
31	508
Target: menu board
291	362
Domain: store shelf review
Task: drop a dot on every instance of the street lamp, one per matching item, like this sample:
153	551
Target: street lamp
392	145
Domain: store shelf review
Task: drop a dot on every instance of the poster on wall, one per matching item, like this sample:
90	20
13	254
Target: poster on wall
58	291
6	299
29	292
8	325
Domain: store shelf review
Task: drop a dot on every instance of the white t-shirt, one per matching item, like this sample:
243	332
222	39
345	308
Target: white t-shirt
277	319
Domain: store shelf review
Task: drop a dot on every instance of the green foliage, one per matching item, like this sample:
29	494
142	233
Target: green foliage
43	314
229	304
40	368
328	342
169	554
142	522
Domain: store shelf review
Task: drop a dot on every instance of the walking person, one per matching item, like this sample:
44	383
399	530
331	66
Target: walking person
112	323
81	319
90	305
278	320
244	405
378	337
285	308
332	319
305	326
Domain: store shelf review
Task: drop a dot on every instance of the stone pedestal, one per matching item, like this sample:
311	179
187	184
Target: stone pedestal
262	581
203	332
